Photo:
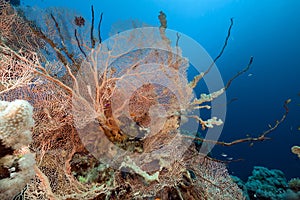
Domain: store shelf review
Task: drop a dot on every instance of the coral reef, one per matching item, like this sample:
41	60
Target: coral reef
293	193
294	184
269	185
266	184
16	162
241	184
108	115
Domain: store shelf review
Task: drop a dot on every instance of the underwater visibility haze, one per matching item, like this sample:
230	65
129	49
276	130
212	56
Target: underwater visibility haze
150	99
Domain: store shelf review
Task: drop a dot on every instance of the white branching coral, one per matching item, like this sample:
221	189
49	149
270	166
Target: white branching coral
16	162
209	97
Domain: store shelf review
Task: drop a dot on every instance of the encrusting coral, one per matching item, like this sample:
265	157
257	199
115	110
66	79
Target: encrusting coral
16	163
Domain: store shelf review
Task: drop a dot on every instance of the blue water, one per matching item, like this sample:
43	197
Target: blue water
269	30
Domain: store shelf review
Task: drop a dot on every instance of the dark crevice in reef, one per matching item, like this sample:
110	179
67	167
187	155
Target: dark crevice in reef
4	150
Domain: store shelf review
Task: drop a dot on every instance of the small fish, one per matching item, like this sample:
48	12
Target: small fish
230	158
288	101
232	100
223	154
250	74
251	144
299	128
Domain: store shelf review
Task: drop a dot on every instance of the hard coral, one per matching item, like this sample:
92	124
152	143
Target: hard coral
294	184
15	123
16	165
266	184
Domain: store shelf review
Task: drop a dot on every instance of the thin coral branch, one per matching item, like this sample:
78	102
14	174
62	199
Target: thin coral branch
223	48
240	73
99	28
78	43
58	28
177	39
262	136
210	97
92	28
41	35
64	48
197	78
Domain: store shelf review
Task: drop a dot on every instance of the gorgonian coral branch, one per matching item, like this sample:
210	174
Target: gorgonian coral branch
261	137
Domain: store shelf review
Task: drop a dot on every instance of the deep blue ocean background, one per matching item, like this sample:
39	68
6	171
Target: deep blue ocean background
268	30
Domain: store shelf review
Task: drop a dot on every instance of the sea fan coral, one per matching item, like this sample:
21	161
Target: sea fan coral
115	119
